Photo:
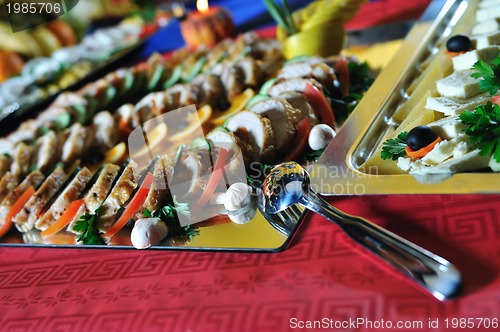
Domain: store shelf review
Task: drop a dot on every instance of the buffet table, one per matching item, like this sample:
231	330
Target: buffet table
322	280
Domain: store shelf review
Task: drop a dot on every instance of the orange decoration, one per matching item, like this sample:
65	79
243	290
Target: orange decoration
11	64
63	31
207	26
423	151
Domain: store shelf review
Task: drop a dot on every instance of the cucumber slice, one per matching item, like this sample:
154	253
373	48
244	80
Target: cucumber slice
128	83
109	96
92	104
255	99
266	86
156	77
201	143
62	121
298	58
196	70
174	78
81	113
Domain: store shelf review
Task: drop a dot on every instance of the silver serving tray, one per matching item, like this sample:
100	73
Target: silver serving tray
339	170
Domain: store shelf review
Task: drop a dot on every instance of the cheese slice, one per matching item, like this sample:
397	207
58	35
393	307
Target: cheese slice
488	3
453	106
468	162
447	128
468	59
487	26
444	150
489	39
483	14
460	84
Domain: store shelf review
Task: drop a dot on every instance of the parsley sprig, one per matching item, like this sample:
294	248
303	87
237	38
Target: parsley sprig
87	227
489	75
484	128
168	215
394	148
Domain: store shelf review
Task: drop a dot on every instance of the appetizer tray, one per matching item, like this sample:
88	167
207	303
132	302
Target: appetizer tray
340	170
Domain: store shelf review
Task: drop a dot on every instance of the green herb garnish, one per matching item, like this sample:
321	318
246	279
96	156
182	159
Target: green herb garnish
87	226
168	215
484	128
361	78
282	15
394	148
489	75
313	155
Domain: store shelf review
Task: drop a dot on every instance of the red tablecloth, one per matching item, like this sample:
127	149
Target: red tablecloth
322	275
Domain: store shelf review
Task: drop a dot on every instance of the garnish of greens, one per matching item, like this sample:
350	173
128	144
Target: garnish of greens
489	75
168	215
394	148
313	155
282	15
484	128
87	227
361	77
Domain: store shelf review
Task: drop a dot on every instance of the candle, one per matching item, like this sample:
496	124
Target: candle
207	25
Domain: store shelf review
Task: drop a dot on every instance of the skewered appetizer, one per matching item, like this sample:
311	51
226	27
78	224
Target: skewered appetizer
449	124
61	170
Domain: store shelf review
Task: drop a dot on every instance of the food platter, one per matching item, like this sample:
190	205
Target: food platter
340	170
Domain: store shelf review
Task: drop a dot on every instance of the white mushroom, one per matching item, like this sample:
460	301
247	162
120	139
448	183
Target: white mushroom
148	232
238	196
239	203
320	136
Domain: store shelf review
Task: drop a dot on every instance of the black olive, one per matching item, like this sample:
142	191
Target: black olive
458	43
419	137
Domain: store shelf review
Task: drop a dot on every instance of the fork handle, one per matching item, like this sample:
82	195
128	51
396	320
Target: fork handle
435	274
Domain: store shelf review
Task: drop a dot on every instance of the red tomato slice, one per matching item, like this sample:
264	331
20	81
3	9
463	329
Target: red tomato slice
343	75
303	130
18	205
65	219
495	100
319	103
213	182
134	205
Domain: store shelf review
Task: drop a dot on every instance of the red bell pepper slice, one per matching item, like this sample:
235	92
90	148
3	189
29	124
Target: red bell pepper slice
18	205
342	71
300	142
65	218
134	205
319	103
213	182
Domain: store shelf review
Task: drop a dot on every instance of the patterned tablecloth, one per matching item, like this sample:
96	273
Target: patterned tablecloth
323	276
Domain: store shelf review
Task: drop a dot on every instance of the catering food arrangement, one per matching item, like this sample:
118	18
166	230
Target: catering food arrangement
67	177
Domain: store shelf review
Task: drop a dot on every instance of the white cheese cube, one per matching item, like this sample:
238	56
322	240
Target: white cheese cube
453	106
483	41
468	59
487	26
459	84
470	161
447	128
488	3
483	14
444	150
